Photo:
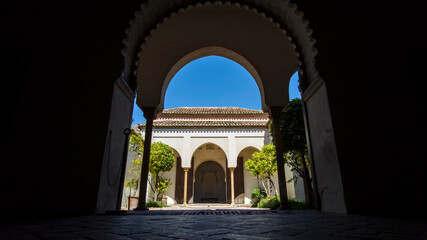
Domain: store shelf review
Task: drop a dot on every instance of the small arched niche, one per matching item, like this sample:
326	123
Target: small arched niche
209	183
209	151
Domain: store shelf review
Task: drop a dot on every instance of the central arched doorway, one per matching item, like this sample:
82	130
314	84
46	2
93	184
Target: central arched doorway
209	184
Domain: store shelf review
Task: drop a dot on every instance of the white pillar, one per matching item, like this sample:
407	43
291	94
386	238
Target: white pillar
232	155
186	152
232	185
185	186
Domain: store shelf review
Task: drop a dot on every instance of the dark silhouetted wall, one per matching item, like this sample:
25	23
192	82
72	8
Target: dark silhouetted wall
59	61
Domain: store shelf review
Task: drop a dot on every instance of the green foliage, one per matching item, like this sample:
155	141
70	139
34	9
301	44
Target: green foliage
162	185
292	127
155	204
297	205
136	145
256	196
295	160
274	203
161	158
132	183
256	193
135	169
263	163
270	202
161	155
294	143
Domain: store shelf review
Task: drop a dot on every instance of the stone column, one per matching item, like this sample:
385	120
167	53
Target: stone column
149	113
232	185
185	186
276	113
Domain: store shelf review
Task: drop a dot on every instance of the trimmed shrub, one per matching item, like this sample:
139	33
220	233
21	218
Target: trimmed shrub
155	204
256	196
270	202
297	204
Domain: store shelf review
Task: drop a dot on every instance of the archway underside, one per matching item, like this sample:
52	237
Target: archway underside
231	31
259	39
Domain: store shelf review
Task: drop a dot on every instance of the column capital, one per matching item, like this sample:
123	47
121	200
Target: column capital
149	112
231	169
276	112
186	169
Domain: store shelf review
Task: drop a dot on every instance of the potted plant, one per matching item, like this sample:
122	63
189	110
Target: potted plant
132	199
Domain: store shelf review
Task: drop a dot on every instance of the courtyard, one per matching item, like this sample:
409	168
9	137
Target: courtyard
218	224
75	74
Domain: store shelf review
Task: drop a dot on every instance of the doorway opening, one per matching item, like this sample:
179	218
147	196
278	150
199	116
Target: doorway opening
209	183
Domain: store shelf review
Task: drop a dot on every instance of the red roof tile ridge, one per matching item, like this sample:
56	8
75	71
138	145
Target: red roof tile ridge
211	110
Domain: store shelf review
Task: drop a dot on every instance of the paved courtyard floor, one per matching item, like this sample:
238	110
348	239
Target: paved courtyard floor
207	206
218	224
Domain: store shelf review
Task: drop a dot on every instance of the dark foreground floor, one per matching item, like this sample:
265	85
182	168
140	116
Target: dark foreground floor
219	224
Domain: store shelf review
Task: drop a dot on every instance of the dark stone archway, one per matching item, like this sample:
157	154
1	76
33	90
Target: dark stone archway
209	185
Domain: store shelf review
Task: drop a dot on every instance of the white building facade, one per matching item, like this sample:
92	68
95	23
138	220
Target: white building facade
211	146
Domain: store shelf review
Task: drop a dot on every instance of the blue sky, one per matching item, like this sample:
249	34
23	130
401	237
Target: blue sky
214	82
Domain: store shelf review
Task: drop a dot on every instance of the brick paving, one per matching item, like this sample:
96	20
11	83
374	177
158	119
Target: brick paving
218	224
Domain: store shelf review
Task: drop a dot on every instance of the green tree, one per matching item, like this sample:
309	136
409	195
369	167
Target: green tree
161	160
163	185
294	143
263	165
136	145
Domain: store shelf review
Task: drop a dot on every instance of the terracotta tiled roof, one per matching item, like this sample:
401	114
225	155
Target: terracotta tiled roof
209	123
136	128
211	110
201	117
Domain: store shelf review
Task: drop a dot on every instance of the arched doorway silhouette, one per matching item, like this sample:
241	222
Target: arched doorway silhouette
209	183
275	44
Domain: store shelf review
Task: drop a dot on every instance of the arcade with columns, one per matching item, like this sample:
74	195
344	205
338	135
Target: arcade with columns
211	146
271	50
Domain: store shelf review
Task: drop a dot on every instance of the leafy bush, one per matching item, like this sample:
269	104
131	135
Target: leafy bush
256	196
256	193
297	204
155	204
270	202
162	185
